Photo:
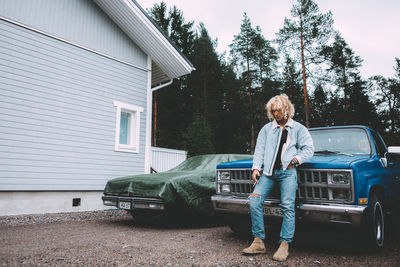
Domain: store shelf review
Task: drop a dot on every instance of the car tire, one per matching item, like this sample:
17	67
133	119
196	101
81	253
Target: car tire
148	217
376	224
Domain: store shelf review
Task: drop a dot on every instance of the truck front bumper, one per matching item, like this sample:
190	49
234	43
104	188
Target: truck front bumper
327	212
131	203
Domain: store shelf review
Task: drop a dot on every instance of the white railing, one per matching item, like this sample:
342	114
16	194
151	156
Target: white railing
164	159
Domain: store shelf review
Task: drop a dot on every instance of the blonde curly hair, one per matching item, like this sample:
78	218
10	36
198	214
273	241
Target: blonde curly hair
280	101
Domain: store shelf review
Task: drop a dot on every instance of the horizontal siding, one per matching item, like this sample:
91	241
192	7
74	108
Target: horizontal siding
79	21
57	118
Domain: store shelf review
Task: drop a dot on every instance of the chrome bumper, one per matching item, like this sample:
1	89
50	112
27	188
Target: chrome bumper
135	202
327	212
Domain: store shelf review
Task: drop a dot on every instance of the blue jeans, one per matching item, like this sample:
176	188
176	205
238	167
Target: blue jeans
288	184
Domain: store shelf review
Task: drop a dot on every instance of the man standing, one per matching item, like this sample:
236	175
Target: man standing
282	145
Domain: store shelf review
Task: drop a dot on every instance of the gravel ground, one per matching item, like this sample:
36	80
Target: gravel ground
112	238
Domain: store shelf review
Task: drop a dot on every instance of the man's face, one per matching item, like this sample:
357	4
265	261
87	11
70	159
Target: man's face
278	112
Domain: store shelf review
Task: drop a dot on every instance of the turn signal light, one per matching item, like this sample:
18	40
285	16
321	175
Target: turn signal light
362	200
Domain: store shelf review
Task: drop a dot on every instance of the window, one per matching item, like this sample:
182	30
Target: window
342	140
379	144
127	127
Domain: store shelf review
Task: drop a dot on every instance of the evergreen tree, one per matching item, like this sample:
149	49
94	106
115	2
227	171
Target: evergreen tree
197	137
319	108
304	35
208	99
266	86
335	114
254	59
360	108
159	14
231	131
174	109
243	51
291	86
205	80
386	94
343	64
208	86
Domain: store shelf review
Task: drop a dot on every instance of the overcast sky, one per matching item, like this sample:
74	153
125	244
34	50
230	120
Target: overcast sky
370	27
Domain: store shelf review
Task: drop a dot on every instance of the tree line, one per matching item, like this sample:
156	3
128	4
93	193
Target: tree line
220	107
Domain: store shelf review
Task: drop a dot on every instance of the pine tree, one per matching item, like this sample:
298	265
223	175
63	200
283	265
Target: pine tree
304	35
291	86
319	108
343	64
360	108
386	94
243	51
254	59
265	86
197	137
172	105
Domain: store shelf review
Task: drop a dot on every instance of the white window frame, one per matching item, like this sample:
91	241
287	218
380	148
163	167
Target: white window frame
134	130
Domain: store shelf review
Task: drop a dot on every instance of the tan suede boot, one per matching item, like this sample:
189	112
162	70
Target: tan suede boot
256	247
282	253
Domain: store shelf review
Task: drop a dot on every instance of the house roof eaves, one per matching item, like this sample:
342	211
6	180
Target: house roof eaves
137	24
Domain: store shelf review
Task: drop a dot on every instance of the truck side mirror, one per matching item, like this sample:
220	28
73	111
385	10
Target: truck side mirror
393	153
384	160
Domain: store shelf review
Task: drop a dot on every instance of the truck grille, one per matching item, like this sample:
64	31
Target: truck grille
313	185
242	184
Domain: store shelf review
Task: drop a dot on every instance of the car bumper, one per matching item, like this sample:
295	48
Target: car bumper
131	203
327	212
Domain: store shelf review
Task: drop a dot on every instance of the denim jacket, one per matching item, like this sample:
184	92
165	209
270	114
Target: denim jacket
298	145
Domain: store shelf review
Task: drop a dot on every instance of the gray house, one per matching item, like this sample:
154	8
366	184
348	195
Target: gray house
76	82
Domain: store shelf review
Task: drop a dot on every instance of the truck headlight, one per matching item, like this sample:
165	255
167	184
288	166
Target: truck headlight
224	175
341	194
340	178
225	188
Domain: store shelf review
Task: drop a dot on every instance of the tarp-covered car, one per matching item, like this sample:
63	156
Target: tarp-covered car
185	188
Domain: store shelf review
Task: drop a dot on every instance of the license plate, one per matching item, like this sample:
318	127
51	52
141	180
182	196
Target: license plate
272	211
124	205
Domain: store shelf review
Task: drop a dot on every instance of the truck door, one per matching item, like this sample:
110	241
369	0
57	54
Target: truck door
392	172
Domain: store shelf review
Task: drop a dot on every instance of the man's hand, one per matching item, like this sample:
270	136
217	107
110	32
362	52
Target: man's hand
254	176
293	163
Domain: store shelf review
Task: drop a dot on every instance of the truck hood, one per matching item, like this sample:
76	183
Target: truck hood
239	164
317	161
333	161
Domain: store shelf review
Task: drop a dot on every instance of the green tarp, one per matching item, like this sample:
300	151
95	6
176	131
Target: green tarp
190	184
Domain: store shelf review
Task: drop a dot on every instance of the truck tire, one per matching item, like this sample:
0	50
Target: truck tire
376	224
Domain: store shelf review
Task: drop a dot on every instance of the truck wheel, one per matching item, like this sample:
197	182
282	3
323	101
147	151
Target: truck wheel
376	224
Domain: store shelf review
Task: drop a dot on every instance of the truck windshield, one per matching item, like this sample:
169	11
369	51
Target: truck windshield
341	141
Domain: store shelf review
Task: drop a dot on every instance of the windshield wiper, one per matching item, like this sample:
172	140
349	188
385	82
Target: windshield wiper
332	152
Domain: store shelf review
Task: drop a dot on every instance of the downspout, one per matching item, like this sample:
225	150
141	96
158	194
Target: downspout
162	85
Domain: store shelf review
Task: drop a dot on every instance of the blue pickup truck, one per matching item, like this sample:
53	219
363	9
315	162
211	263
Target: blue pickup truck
353	178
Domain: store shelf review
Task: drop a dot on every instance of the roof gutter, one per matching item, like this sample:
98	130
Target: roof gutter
162	85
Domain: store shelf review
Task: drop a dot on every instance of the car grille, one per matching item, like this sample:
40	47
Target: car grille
313	185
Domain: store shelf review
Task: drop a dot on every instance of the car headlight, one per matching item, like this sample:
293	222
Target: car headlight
224	175
110	202
340	178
